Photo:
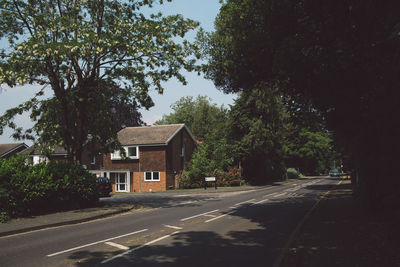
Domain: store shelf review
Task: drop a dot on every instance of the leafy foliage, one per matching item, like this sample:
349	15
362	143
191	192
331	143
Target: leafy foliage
310	151
292	173
27	189
86	51
208	123
257	122
340	55
200	115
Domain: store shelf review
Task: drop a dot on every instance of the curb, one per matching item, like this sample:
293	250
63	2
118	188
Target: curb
51	225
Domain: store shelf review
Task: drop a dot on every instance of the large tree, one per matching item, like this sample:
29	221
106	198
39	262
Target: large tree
200	115
82	50
257	130
341	55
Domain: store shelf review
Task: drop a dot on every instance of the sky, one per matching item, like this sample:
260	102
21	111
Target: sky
203	11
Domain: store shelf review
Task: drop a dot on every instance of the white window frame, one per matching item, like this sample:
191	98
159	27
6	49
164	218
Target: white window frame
127	181
127	152
116	155
152	174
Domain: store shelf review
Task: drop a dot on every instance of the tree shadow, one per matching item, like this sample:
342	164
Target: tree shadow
262	232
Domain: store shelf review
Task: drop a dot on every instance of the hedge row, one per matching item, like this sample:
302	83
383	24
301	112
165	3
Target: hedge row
27	189
228	178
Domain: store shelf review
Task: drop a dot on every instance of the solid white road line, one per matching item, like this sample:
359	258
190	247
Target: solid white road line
173	227
116	245
95	243
240	203
280	195
198	215
139	247
272	194
223	215
259	202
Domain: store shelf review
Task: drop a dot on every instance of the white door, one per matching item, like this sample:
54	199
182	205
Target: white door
122	182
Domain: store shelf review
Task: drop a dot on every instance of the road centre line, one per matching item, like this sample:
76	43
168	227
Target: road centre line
139	247
116	245
95	243
273	194
223	215
240	203
280	195
173	227
261	201
198	215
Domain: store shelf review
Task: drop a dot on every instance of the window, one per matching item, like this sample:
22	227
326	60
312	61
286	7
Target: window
131	152
116	155
152	176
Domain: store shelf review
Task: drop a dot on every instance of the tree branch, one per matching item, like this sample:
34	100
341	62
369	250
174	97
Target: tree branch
23	18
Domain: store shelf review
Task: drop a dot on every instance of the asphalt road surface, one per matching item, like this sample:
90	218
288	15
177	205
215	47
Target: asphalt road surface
244	228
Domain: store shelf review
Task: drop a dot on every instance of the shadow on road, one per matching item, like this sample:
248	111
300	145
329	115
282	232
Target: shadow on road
263	230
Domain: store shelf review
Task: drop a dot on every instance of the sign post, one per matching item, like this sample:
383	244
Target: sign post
210	179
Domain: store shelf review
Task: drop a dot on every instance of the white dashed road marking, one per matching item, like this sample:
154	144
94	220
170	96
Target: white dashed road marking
223	215
259	202
240	203
139	247
116	245
198	215
173	227
95	243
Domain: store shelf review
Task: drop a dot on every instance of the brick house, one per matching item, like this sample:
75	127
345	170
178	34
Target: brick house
154	155
9	150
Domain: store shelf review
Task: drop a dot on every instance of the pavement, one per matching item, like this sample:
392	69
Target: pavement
117	204
341	231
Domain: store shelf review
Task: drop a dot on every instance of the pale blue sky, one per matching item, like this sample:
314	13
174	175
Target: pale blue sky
203	11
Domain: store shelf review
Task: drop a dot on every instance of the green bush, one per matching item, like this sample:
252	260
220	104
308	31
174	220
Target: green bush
184	181
27	189
292	173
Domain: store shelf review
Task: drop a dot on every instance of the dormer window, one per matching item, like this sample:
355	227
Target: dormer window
131	152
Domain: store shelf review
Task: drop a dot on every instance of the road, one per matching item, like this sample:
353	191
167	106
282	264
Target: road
213	229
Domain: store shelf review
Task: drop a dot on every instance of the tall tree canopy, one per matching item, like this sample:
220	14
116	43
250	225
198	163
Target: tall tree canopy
89	52
341	55
209	124
257	133
200	115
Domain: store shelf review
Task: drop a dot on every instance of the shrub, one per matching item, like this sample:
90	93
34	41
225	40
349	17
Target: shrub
27	189
184	181
292	173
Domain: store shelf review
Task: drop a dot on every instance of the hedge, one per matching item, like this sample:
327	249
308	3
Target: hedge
27	189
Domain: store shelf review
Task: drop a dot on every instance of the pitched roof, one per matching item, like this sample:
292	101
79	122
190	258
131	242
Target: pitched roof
150	135
7	148
35	150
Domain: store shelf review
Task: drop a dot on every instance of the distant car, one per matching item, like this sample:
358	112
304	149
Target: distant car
334	173
104	186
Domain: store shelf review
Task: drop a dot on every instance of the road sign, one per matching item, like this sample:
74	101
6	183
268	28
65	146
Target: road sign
210	179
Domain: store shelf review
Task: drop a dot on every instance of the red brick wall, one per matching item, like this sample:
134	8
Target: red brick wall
164	159
174	160
145	186
151	159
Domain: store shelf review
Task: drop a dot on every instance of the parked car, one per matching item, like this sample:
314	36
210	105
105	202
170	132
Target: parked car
105	187
334	173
